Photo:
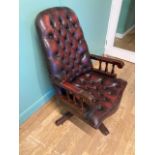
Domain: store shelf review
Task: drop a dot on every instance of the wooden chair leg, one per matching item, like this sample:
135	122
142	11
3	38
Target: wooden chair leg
103	129
64	118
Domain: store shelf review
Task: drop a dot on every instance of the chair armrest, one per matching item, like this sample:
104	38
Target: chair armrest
82	95
78	91
117	62
107	61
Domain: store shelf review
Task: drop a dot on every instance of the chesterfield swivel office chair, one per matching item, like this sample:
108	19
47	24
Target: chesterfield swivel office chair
89	93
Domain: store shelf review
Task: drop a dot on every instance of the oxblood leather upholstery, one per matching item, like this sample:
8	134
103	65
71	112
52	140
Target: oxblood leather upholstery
91	94
64	43
107	93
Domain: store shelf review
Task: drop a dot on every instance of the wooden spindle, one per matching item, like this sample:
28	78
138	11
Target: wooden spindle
106	67
100	62
113	69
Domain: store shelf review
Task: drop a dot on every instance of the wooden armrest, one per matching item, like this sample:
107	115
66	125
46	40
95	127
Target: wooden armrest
78	91
107	61
70	88
116	62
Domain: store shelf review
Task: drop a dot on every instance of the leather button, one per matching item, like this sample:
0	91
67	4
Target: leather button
50	35
99	80
67	16
77	85
67	27
82	80
105	99
56	36
76	25
99	107
88	75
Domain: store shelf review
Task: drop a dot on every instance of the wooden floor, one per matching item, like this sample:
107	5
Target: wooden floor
127	42
40	136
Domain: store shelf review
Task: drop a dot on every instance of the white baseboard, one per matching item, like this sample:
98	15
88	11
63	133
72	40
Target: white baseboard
120	35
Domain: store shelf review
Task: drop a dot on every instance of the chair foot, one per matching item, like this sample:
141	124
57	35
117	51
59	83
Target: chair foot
64	118
103	129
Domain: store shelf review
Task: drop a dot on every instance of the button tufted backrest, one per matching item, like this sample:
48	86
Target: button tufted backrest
63	43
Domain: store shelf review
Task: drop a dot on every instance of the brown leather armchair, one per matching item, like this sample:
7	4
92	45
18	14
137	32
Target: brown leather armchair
89	93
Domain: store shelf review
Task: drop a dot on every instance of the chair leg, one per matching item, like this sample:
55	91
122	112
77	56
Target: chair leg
103	129
64	118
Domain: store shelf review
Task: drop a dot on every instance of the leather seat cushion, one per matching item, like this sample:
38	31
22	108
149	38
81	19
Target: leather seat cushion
107	92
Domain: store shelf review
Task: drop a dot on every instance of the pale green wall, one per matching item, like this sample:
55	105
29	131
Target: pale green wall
127	16
35	86
93	16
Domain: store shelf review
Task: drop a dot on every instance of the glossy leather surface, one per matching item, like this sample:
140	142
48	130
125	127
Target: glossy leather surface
69	60
106	91
63	42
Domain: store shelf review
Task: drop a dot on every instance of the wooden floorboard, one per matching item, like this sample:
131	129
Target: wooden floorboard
127	42
40	136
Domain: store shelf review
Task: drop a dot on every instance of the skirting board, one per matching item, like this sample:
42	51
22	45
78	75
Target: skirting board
120	35
35	106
